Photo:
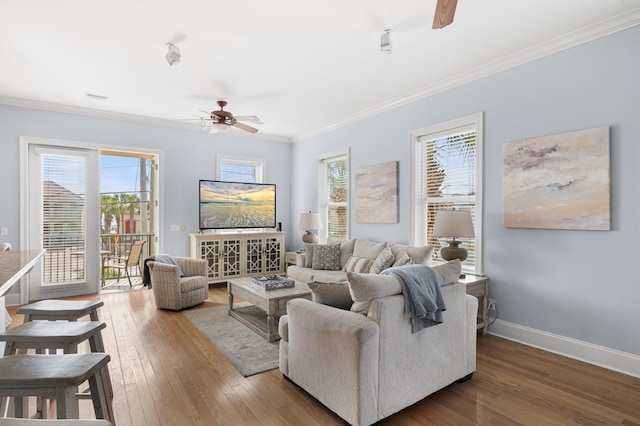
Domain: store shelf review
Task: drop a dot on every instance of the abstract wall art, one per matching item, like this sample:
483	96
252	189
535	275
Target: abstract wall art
376	193
560	181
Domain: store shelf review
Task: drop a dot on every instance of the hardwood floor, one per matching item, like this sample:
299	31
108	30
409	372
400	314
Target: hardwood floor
165	372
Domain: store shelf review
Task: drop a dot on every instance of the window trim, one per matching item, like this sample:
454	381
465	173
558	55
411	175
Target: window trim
244	161
418	190
321	188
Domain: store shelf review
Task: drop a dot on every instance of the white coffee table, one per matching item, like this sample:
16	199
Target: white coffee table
272	302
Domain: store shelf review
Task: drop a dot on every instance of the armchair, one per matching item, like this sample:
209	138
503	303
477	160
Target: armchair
368	367
174	291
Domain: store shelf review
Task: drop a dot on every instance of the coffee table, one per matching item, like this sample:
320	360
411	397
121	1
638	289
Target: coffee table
272	302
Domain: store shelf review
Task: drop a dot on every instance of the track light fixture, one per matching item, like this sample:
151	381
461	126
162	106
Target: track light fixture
173	54
385	41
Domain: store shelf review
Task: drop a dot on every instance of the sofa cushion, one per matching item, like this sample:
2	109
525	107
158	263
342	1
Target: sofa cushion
419	254
346	251
358	264
300	273
332	294
448	272
329	276
366	287
368	249
326	257
383	261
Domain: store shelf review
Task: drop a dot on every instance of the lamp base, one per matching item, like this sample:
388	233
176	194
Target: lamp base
452	251
310	238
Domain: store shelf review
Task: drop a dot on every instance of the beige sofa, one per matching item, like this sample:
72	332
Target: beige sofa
365	367
356	255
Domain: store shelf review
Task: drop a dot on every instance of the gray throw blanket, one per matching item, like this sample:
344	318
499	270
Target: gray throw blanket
423	298
161	258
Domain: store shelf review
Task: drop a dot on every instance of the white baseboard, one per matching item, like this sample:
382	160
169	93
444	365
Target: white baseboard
601	356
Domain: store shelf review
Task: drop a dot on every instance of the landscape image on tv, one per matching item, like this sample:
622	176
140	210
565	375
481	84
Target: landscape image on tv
228	205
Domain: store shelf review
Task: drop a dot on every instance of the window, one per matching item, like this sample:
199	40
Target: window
333	196
447	175
234	169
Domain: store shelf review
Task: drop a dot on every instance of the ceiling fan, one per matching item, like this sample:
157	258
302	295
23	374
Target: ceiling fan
445	10
223	120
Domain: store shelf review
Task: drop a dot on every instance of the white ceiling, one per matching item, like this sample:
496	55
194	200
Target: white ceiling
301	66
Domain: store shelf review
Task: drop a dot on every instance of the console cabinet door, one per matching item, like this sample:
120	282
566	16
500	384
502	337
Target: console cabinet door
239	255
273	249
231	258
210	251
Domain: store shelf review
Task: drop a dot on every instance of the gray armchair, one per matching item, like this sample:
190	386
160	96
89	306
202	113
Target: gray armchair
171	291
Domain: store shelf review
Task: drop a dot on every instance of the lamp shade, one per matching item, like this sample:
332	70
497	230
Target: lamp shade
309	222
453	223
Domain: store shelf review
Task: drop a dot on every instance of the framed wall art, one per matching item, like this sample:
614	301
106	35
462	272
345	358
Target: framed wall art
376	193
560	181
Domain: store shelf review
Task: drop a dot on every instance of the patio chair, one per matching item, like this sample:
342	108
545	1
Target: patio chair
120	263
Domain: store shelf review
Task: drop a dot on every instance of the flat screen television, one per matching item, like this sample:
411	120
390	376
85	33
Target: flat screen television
232	205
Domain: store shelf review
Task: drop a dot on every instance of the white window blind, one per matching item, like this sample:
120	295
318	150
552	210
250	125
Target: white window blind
334	197
240	170
446	177
63	221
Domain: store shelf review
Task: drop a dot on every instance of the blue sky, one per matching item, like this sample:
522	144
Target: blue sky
119	174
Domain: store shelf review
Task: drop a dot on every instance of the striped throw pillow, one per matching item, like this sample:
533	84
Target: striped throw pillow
358	264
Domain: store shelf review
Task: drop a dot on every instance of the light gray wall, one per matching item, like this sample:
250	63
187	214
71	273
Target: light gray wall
579	284
188	157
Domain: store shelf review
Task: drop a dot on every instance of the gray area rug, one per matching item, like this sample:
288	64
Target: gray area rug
248	352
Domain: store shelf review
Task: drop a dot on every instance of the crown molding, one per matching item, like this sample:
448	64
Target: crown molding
131	118
567	41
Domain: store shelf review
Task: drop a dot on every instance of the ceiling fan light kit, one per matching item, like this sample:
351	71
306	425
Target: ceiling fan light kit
222	121
173	54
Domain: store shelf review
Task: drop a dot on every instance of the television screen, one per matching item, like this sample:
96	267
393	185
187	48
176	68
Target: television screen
229	205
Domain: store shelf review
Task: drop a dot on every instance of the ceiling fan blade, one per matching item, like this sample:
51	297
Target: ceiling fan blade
206	112
250	118
245	127
445	10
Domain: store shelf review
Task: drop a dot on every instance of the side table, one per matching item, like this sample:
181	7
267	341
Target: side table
478	286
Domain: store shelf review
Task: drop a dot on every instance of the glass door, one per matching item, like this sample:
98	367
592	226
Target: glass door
63	213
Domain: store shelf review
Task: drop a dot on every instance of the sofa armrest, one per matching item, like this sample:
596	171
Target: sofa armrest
333	355
301	258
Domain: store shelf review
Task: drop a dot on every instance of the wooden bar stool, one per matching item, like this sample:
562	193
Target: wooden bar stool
65	335
52	310
57	377
53	335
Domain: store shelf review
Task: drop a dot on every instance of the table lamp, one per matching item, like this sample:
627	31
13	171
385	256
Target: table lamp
309	222
453	223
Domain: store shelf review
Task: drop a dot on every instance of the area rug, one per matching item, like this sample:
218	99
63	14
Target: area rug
247	351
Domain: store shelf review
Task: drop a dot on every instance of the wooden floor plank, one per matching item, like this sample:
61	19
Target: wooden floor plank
165	372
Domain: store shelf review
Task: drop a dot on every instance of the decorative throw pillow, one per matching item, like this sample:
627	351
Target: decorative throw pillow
366	287
326	258
358	264
449	272
383	261
332	294
401	259
308	260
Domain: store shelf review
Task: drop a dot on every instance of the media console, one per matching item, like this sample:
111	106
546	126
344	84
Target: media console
238	255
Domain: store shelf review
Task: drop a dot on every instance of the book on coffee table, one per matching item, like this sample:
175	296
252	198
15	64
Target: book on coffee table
272	282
